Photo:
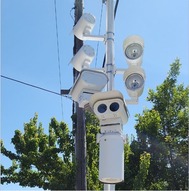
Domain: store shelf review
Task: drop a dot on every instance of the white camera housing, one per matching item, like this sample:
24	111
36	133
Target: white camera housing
84	26
111	158
110	108
134	78
88	82
83	57
133	49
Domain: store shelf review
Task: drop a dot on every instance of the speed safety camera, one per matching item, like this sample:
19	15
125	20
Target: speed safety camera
110	108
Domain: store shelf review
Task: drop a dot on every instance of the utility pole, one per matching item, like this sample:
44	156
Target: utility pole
80	135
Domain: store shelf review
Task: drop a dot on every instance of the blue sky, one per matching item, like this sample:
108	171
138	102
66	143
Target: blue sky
29	54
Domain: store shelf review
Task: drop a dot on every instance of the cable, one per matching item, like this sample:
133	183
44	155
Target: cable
27	84
99	34
115	9
58	52
33	86
71	13
57	43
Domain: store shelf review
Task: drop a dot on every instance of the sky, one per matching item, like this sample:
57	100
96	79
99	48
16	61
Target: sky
29	54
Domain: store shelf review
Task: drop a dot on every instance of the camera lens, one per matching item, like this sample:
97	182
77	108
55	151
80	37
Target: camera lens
134	81
102	108
133	51
114	106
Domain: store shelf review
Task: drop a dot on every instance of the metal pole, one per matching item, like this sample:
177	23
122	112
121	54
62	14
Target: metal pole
109	64
110	68
109	187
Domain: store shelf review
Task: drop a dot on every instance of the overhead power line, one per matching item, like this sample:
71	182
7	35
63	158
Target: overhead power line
57	43
31	85
115	10
99	33
58	53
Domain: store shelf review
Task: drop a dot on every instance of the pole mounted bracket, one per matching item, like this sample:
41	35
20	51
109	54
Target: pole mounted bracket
65	91
132	101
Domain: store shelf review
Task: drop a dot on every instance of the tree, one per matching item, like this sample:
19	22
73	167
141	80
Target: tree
47	160
136	167
139	181
93	128
41	160
156	160
163	132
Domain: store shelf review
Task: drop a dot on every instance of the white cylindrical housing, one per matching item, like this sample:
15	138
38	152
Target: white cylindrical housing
111	161
85	25
133	49
83	58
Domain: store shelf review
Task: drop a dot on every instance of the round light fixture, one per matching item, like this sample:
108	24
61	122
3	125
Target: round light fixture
134	81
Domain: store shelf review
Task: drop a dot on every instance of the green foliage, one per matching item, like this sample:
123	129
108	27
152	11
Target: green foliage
45	160
41	160
163	132
139	181
156	160
129	167
92	128
160	185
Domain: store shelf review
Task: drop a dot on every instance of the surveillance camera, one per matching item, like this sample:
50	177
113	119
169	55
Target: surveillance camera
109	107
134	78
83	57
133	49
88	83
84	26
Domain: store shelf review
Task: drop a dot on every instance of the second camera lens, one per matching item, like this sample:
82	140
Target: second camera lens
114	106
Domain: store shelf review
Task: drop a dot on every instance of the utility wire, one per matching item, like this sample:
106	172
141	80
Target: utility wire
57	43
115	9
27	84
71	13
58	52
99	34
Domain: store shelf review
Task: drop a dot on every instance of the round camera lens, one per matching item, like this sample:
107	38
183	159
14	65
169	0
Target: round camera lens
134	81
114	106
133	51
102	108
